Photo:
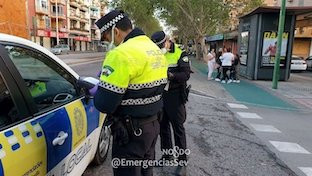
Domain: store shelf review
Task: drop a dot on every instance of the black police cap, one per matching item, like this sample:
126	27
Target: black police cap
110	19
159	38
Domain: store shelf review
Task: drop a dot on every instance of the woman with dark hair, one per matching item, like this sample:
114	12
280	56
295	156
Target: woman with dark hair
218	65
235	69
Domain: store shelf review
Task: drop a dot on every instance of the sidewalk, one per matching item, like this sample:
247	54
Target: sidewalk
297	90
248	92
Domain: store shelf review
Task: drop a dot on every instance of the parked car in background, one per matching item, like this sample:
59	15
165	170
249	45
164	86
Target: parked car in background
309	63
298	64
60	49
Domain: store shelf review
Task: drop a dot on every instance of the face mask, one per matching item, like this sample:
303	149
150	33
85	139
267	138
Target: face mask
111	45
164	50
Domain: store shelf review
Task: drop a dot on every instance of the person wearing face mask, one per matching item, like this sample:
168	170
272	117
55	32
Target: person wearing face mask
175	97
132	80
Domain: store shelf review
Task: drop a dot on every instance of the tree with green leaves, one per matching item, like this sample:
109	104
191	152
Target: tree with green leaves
194	18
190	19
141	12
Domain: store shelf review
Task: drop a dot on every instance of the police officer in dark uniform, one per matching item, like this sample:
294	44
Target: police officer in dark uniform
175	96
132	81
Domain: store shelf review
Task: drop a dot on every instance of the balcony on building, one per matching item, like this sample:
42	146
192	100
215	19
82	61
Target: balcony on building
94	13
84	27
74	15
61	16
42	22
94	27
83	17
63	2
75	3
62	26
84	7
95	35
42	10
60	11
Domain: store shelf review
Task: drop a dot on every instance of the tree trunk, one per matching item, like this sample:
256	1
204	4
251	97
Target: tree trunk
200	45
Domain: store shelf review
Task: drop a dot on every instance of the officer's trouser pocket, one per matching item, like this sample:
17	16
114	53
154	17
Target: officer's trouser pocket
120	133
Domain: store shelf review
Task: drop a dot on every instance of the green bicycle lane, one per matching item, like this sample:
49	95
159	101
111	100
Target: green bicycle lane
247	92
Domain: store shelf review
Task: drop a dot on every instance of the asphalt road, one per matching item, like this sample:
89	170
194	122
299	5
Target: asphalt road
220	144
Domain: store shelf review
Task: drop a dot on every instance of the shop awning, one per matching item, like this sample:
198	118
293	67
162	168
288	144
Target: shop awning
231	35
215	38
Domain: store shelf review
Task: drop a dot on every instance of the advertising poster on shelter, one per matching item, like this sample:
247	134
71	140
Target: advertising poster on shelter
270	48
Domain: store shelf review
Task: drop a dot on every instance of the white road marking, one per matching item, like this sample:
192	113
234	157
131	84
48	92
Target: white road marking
289	147
237	106
306	170
247	115
265	128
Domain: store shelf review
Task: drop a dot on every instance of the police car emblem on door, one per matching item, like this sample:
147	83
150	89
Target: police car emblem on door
78	121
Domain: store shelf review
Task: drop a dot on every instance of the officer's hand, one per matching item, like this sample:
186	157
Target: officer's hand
170	75
93	90
99	74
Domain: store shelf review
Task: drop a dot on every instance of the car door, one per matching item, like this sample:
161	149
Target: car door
60	110
21	149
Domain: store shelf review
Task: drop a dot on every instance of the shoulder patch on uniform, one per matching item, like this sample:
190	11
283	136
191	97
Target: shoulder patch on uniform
185	59
107	70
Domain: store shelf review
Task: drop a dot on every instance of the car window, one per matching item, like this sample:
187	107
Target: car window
8	110
47	83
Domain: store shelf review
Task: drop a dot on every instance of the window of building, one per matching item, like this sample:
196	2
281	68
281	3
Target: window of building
47	22
44	4
59	9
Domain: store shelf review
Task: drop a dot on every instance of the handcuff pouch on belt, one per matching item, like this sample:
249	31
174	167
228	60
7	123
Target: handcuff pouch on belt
123	129
185	93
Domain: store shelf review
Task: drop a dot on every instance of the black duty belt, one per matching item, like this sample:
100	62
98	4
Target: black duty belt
135	125
146	120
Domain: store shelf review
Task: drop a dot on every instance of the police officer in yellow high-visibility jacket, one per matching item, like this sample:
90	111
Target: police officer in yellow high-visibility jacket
132	81
175	96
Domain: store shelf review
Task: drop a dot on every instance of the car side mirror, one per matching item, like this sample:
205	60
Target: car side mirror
85	84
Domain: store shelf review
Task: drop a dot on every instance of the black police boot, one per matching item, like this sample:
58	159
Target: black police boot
181	171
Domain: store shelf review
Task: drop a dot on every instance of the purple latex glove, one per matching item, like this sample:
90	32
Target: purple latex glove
99	74
93	90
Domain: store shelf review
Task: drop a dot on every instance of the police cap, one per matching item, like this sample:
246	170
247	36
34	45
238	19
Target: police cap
159	38
109	20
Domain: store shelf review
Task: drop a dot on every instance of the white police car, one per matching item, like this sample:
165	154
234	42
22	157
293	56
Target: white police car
48	124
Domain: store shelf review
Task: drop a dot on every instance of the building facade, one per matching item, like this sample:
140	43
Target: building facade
13	18
72	18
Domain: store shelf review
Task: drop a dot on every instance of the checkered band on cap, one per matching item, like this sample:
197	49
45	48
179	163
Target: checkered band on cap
112	22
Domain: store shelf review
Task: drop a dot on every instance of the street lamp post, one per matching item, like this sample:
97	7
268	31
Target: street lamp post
57	29
276	73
